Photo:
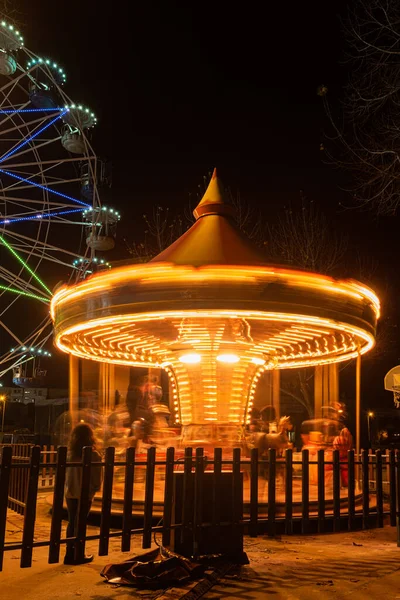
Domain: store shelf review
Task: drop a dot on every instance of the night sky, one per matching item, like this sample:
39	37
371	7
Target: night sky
181	87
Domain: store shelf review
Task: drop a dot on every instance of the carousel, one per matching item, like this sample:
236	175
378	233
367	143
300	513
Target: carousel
211	314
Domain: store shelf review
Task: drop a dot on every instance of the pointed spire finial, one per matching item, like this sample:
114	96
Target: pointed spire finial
212	202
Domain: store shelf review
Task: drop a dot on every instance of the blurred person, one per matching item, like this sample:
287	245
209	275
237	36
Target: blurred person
343	442
81	436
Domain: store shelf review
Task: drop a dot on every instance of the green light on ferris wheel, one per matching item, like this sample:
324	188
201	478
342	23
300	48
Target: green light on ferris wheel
27	267
21	293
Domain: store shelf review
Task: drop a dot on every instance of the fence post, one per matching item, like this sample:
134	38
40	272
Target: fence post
351	489
365	488
398	497
321	491
106	501
128	498
187	511
379	488
198	500
305	491
237	491
12	485
30	508
253	492
271	491
168	496
44	461
336	490
83	507
51	469
289	491
5	471
57	510
216	513
148	497
392	487
371	466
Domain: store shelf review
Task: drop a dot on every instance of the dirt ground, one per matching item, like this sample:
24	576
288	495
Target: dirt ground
361	565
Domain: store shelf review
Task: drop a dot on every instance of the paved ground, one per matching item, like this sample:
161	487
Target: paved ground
363	565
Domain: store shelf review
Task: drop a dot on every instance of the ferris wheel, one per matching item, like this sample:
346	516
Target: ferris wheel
52	223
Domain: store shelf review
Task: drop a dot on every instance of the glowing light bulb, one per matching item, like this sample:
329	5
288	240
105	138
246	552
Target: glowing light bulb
257	361
228	358
192	358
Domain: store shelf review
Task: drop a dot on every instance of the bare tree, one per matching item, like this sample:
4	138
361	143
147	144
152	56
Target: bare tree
298	384
249	221
302	238
10	13
368	131
161	230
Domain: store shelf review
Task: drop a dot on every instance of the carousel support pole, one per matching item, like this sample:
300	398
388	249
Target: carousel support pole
325	387
107	387
318	392
358	408
333	384
276	392
73	388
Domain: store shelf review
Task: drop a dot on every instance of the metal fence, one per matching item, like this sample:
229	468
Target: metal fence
335	510
18	485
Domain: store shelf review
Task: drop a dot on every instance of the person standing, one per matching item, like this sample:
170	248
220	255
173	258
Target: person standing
343	442
81	436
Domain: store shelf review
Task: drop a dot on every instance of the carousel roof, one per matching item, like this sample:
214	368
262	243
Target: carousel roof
214	239
212	289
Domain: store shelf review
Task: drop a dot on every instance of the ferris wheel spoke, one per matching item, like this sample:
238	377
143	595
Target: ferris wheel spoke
39	244
29	202
24	264
24	358
32	147
42	217
57	163
11	333
18	185
20	356
45	324
15	280
50	258
10	87
45	169
18	280
11	290
45	188
16	284
22	125
14	111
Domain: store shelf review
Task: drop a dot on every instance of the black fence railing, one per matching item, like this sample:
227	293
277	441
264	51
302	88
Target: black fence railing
193	495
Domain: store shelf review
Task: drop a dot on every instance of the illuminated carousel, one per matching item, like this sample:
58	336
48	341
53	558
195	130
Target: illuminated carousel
215	317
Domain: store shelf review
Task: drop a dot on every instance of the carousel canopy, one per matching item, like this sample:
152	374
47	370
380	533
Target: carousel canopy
214	315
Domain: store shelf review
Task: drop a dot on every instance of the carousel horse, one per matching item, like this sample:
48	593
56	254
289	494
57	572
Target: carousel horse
278	441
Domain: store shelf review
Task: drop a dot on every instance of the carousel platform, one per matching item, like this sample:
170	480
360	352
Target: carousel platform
139	493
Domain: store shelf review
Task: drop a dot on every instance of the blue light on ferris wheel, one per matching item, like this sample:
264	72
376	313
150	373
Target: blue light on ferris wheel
46	189
32	137
34	217
16	111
